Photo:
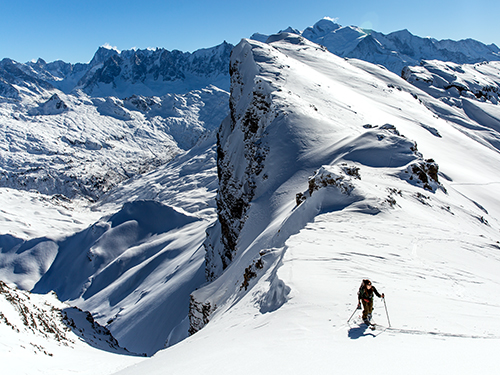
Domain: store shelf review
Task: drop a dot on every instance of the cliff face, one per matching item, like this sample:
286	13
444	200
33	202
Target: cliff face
241	155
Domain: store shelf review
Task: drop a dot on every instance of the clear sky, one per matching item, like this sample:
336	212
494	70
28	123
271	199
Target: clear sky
72	30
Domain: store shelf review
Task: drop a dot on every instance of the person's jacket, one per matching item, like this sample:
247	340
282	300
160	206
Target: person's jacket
367	294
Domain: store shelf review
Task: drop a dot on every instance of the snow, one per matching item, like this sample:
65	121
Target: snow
395	50
434	253
88	145
436	305
35	338
141	259
344	171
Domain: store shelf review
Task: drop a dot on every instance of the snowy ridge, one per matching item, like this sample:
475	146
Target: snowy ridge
343	155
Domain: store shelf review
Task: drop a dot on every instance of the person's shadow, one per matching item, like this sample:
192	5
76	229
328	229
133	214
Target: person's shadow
359	331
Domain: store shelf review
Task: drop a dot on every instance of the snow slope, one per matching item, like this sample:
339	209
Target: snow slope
344	188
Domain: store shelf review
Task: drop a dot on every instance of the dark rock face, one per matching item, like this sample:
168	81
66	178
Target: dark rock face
238	168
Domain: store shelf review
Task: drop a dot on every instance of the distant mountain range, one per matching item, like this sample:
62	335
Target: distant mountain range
395	50
122	74
158	72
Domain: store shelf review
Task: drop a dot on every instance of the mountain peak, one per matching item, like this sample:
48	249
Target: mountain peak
321	28
102	54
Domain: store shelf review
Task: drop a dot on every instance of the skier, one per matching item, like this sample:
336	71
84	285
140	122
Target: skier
365	296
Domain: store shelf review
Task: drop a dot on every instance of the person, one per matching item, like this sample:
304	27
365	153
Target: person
365	297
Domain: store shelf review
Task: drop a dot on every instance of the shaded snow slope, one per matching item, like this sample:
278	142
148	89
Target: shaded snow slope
395	50
135	268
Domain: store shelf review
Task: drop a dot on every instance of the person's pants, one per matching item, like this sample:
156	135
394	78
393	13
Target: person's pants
367	309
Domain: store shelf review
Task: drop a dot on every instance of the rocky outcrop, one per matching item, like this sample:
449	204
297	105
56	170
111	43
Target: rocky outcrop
241	155
43	319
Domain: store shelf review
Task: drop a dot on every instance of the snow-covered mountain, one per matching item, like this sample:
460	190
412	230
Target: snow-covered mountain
395	50
312	125
81	146
252	243
135	268
79	130
150	72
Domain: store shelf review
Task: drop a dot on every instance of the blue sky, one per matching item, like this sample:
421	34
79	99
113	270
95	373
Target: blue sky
72	30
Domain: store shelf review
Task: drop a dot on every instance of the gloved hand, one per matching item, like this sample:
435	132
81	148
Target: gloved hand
383	295
359	306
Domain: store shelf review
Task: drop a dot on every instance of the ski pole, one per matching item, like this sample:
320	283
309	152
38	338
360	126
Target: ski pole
387	313
354	312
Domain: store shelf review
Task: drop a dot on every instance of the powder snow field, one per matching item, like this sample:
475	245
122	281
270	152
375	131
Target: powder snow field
434	252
